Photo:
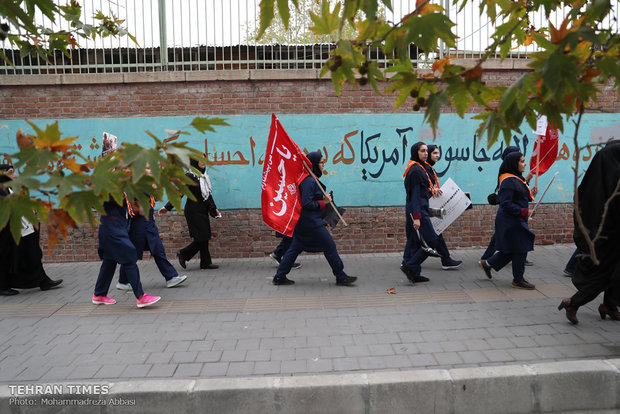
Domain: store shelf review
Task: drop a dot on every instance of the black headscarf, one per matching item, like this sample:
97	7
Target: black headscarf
508	150
3	169
315	157
415	175
510	164
431	148
194	163
414	151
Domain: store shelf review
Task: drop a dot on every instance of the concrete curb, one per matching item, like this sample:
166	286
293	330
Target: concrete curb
591	386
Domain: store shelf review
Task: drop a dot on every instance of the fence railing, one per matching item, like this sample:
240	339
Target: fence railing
206	35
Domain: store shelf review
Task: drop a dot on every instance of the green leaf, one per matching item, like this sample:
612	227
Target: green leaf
285	14
80	205
327	22
425	31
68	184
461	98
203	124
266	16
433	110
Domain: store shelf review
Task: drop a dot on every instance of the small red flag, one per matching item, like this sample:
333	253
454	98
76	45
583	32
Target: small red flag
548	151
283	170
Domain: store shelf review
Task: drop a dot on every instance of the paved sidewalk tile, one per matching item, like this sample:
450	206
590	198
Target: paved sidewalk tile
235	323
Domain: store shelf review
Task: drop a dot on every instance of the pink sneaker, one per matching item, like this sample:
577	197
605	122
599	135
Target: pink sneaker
147	300
103	300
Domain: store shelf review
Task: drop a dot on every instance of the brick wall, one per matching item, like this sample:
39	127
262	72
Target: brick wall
241	233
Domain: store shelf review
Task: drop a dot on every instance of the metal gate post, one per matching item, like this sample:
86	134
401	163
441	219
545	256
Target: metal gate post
163	39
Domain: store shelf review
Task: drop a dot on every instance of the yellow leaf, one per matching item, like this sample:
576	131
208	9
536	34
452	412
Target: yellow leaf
440	64
557	35
72	165
429	8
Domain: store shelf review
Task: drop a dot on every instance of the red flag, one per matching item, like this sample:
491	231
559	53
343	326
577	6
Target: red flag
548	151
283	170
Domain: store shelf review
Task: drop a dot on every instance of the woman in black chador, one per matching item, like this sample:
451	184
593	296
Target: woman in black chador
197	215
21	266
598	184
311	233
513	238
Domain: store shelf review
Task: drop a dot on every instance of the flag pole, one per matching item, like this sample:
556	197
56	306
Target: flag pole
324	193
538	143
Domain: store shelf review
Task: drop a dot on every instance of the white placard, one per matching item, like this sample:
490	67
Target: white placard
541	125
453	200
109	144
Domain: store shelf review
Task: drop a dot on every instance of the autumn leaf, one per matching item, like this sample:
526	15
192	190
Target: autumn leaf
391	291
474	73
72	165
557	35
24	140
529	39
58	224
590	74
420	5
440	64
71	40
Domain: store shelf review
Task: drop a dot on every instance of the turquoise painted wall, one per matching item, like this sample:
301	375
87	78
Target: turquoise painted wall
366	153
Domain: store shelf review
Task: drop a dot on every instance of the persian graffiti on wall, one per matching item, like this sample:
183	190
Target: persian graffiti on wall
366	153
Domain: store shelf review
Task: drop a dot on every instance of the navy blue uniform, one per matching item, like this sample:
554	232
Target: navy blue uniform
116	247
513	238
144	235
442	247
416	205
311	233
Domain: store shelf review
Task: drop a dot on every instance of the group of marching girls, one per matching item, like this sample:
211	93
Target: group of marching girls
126	232
512	239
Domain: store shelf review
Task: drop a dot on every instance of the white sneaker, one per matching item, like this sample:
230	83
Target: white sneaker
177	280
123	286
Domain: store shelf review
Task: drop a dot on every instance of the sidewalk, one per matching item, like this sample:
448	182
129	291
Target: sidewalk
232	323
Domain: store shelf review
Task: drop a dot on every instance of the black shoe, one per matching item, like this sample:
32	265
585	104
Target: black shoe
49	284
181	260
523	284
283	281
277	259
210	266
408	273
528	263
346	281
451	264
487	269
571	312
418	279
8	292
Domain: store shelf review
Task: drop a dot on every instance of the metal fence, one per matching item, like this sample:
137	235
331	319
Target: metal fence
221	35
